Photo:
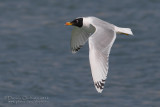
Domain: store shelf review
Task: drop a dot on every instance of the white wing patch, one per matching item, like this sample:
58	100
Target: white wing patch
100	44
79	37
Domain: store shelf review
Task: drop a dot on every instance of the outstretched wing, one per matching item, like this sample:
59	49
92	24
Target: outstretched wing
79	37
100	44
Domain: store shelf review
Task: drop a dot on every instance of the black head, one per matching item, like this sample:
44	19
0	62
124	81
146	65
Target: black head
77	22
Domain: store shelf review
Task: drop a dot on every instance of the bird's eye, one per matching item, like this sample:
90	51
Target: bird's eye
77	21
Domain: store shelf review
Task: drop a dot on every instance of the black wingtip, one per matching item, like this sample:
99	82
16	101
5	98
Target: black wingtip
74	50
100	84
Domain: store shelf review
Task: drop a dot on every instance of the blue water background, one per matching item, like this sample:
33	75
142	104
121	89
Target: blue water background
35	56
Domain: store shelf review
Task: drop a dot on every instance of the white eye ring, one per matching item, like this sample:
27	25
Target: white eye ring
77	21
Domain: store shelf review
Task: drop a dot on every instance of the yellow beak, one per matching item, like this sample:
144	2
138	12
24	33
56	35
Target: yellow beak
68	23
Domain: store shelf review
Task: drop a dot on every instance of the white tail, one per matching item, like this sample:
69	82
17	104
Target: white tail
126	31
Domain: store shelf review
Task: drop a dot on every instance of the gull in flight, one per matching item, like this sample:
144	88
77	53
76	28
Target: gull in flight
101	36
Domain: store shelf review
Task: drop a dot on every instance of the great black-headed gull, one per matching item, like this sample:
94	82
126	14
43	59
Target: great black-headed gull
101	35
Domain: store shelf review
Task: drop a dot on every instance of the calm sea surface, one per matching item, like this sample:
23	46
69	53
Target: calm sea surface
37	68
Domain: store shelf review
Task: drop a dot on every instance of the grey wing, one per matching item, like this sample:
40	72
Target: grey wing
79	37
100	44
